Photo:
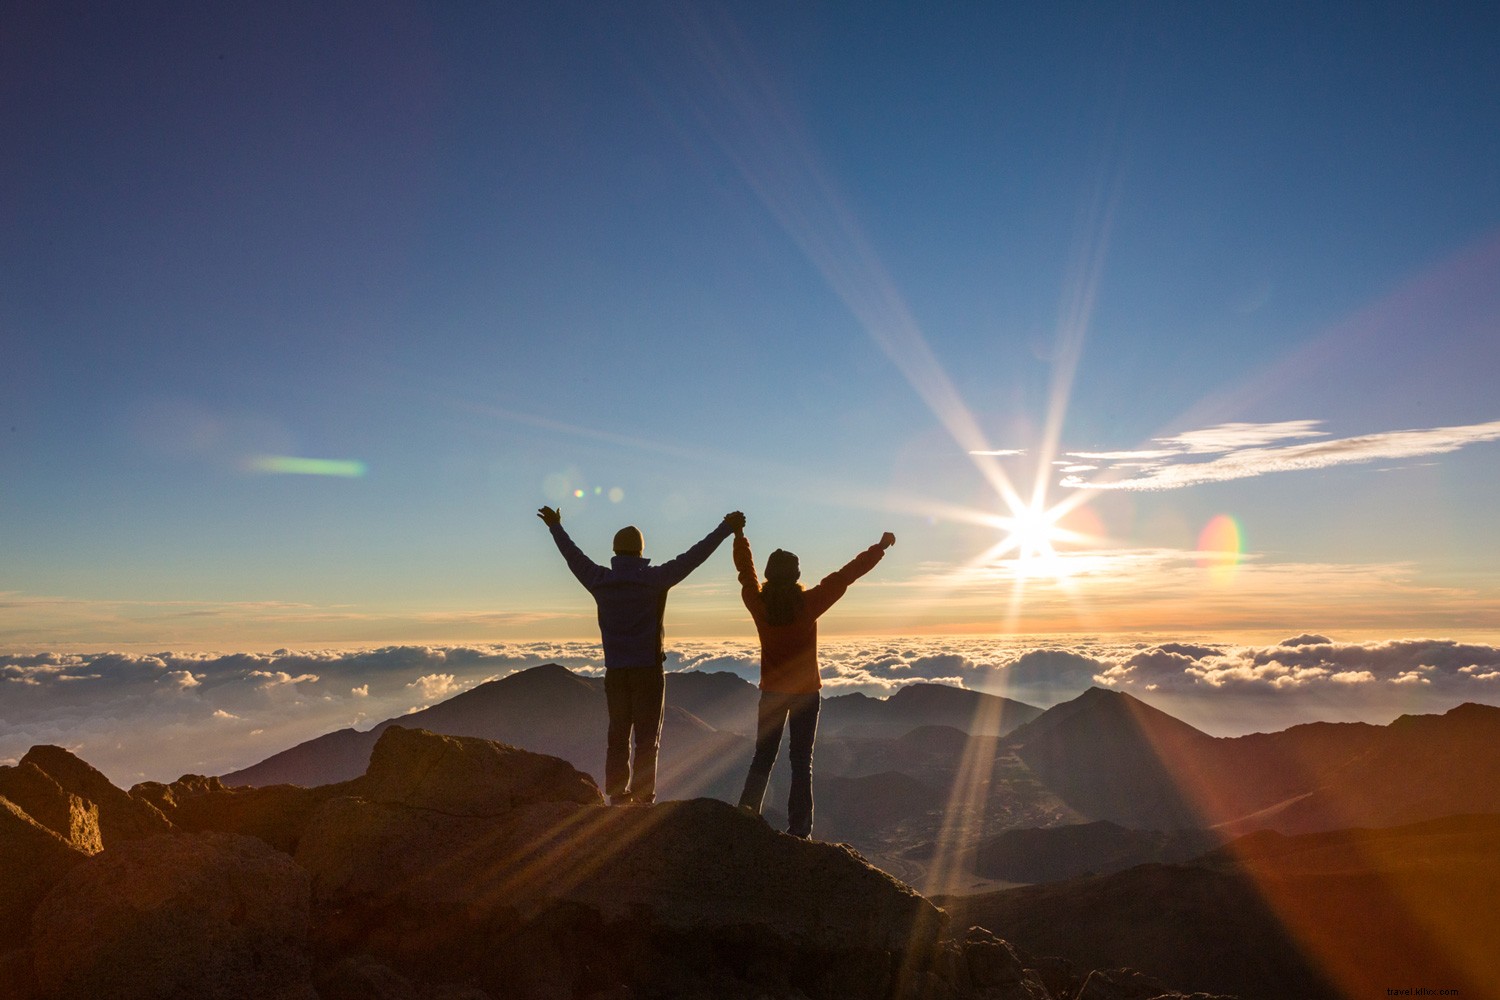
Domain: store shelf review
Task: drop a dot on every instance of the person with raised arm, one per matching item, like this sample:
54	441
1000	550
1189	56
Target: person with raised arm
631	595
786	617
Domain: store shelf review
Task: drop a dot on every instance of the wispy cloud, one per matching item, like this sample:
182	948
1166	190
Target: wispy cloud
1248	450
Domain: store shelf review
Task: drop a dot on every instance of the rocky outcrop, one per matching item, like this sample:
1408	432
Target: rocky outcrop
465	776
462	869
183	915
992	970
74	819
1128	984
455	862
277	814
168	797
32	860
122	817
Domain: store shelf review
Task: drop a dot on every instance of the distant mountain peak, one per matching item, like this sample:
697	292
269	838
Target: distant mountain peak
1473	710
1096	705
545	672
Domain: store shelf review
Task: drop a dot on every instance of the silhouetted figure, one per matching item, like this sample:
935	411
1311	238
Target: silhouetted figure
786	616
632	599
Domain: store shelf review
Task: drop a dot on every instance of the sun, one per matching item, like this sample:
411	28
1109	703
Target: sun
1032	533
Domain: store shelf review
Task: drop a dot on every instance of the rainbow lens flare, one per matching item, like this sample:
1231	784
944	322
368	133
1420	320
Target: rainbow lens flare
1221	546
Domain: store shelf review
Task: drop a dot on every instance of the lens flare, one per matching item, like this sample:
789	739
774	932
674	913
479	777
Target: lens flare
1221	546
287	465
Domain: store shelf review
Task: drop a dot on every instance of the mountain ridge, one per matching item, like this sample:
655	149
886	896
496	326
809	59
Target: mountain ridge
1102	756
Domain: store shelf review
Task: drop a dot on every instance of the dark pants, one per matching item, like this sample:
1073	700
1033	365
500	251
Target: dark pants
635	697
775	711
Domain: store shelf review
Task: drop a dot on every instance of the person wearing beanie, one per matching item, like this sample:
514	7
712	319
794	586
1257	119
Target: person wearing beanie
631	595
786	617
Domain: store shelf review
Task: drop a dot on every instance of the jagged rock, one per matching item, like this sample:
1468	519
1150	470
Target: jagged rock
32	860
276	814
166	797
186	915
121	816
466	776
991	961
1123	984
360	977
990	969
559	899
73	819
1056	974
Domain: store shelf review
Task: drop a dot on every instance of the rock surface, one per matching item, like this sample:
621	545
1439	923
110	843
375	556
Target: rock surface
462	869
121	816
277	814
465	776
534	898
74	819
32	860
189	915
361	977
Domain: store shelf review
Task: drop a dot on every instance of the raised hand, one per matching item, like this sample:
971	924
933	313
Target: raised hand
550	516
736	520
887	540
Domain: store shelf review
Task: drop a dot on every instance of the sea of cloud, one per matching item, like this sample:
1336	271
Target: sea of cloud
156	716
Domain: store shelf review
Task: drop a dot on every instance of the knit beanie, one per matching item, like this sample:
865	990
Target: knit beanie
629	541
781	567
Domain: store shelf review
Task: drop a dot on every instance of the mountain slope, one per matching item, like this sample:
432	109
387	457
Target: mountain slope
925	704
1417	768
1339	914
1111	756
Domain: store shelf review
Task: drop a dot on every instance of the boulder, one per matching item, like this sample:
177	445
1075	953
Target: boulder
982	966
121	816
466	776
558	899
1057	974
990	961
74	819
32	860
211	915
276	814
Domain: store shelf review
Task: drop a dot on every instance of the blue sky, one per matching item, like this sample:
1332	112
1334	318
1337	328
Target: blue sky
795	259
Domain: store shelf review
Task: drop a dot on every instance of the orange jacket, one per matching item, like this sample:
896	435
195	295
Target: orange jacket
789	653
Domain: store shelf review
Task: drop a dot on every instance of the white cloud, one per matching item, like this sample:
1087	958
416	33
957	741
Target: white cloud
136	720
436	686
1244	452
1234	436
273	678
1122	456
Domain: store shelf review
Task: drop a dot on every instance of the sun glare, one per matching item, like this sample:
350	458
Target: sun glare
1032	534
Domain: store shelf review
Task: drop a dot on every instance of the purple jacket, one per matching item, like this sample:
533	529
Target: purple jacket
632	596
